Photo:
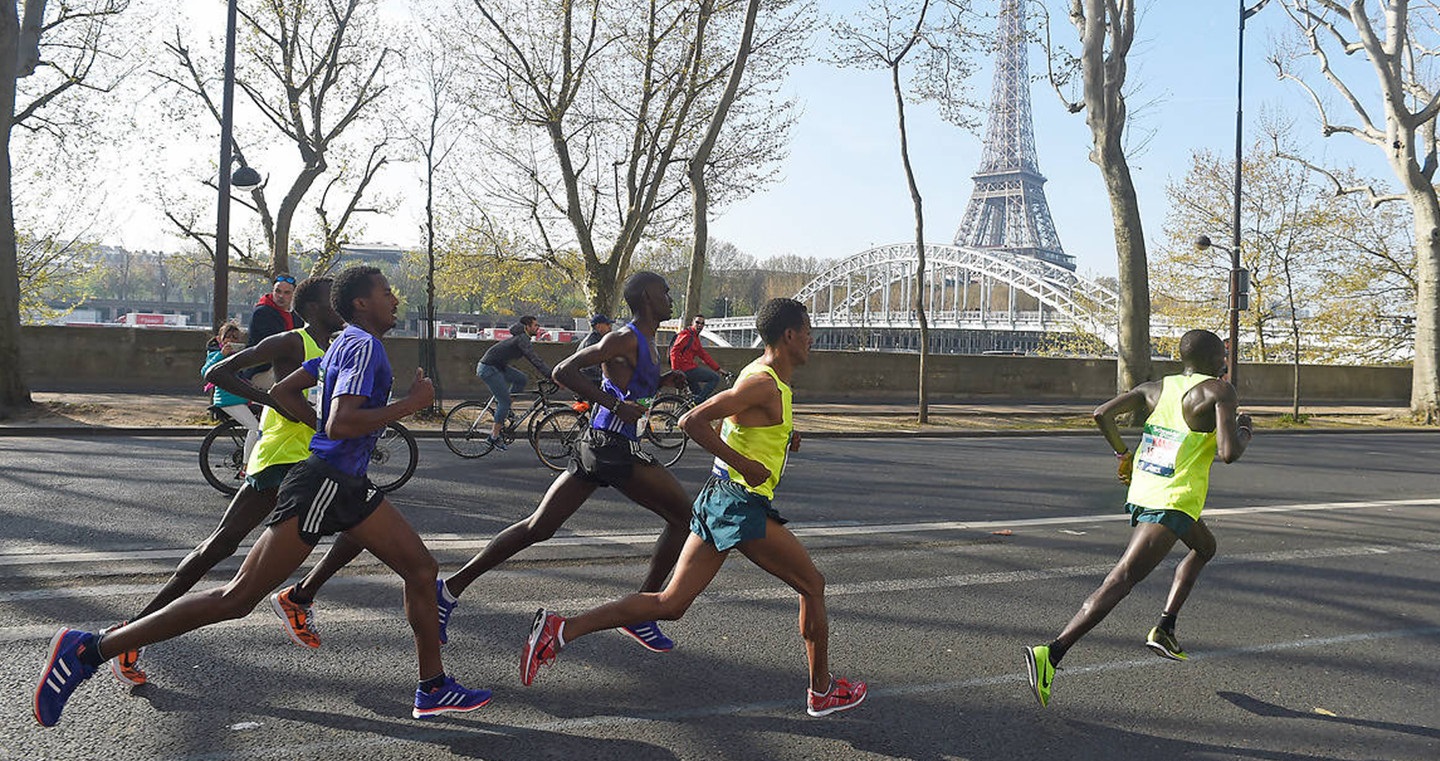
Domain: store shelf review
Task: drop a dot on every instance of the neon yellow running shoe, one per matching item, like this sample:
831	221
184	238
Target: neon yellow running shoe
1040	671
1164	644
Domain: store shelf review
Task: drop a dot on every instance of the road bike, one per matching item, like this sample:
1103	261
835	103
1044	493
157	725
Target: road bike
222	456
660	429
552	426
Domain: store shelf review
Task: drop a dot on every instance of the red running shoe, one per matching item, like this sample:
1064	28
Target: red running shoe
842	696
542	646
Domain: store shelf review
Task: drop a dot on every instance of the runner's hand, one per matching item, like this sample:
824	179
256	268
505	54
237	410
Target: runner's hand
630	412
755	473
794	441
1243	421
422	391
1125	467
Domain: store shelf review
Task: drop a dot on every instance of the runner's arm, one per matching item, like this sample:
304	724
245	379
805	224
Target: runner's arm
1233	431
348	420
615	344
288	396
756	390
1134	400
226	373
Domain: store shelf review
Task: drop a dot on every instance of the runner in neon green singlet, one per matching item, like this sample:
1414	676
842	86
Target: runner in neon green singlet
282	441
1191	418
733	511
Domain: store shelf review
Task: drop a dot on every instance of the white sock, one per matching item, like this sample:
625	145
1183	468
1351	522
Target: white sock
560	634
445	594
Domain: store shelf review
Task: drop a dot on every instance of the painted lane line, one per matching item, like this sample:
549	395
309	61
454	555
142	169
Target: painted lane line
646	539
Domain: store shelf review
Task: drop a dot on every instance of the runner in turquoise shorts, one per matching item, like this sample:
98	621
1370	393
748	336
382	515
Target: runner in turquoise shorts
734	511
1190	418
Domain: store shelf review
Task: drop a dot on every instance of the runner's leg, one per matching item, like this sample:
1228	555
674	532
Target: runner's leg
1202	548
783	556
566	494
276	555
1149	544
247	509
696	569
654	488
390	538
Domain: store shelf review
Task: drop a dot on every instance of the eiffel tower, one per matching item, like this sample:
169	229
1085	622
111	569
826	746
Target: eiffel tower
1007	211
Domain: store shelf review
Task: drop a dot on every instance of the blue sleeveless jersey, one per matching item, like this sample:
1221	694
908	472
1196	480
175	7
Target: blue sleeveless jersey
644	382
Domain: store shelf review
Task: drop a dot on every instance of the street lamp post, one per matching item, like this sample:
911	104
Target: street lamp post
245	177
1233	360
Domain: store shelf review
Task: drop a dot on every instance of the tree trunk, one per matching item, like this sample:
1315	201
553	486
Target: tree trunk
13	392
1425	383
923	408
1133	366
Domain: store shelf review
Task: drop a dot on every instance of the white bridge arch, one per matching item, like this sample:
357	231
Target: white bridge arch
974	298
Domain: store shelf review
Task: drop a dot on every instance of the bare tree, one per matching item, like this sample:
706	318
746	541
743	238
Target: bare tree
589	104
1401	40
45	58
1107	30
315	73
883	35
697	164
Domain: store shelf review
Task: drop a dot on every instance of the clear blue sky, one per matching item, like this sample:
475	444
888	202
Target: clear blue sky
842	189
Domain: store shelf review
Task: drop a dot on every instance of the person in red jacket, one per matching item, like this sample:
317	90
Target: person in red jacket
687	353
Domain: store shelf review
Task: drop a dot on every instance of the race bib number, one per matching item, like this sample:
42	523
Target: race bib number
1159	447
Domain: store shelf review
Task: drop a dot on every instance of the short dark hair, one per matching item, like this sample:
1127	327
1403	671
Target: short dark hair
697	317
777	316
635	286
352	283
310	291
1200	344
528	319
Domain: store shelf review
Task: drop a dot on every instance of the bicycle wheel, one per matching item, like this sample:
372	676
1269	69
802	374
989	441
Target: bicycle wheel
467	428
673	404
666	438
554	437
222	457
394	458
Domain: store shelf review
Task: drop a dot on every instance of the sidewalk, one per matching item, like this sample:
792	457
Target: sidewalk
171	414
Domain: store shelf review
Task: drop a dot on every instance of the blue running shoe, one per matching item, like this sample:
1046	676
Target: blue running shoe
446	604
63	672
648	634
452	697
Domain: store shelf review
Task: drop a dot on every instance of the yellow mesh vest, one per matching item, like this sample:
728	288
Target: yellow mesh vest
1172	463
767	444
282	441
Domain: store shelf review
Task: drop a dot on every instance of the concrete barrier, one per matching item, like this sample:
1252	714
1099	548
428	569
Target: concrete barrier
157	360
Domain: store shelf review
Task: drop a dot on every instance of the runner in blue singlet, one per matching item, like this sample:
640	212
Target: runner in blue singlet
608	454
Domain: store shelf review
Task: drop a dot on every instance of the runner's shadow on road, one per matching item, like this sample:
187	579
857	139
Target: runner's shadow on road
1271	710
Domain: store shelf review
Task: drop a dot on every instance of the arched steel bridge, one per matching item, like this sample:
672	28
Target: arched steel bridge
976	300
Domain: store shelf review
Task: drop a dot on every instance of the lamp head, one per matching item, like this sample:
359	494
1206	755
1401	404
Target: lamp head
245	178
1203	242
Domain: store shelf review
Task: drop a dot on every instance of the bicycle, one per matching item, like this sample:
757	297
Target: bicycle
552	427
661	427
222	456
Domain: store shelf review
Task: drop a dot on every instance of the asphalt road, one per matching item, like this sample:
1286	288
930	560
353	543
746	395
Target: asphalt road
1311	635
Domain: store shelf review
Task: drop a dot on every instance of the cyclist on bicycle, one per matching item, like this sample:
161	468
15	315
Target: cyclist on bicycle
687	353
504	380
225	343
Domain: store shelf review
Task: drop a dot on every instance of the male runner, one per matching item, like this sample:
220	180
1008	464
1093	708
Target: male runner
282	443
608	454
1190	418
327	493
734	511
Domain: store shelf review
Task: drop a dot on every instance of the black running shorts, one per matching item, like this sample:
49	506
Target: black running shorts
606	458
325	500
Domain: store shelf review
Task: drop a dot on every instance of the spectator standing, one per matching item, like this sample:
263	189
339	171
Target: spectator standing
687	353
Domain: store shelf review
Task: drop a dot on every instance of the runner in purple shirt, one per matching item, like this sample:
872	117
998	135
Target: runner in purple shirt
326	494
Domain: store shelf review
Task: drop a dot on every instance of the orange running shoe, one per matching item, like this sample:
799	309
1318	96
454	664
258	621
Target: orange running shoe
299	619
125	667
542	645
842	696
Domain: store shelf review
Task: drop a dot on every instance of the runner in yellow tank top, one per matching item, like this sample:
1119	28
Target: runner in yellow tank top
1190	419
268	462
734	511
